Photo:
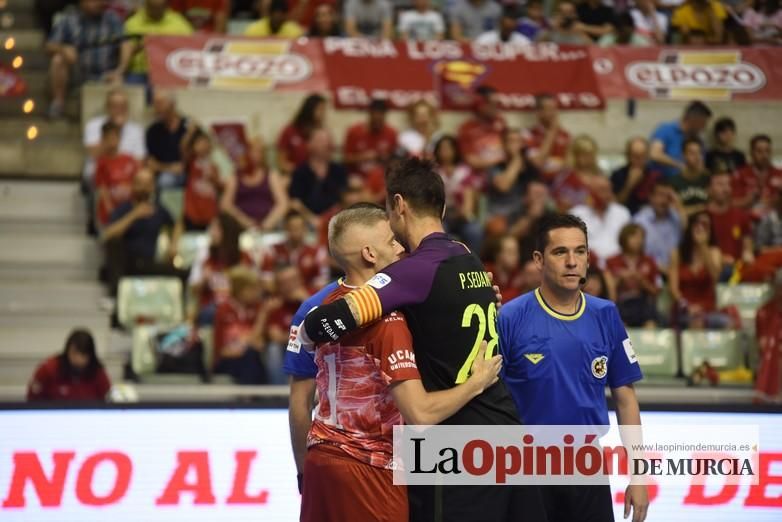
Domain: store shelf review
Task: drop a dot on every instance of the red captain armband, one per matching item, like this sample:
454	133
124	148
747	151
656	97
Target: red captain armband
327	323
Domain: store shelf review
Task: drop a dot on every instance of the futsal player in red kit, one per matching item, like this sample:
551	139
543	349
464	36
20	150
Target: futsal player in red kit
367	382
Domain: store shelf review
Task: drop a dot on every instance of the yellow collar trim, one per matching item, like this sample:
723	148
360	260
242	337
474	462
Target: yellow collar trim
553	313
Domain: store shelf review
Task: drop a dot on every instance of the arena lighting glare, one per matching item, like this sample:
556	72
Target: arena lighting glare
18	62
28	106
32	132
10	42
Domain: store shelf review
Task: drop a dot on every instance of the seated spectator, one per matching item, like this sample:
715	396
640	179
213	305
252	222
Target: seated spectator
764	22
154	18
732	225
536	204
295	251
203	186
635	278
369	146
47	10
76	374
208	16
505	32
420	138
754	184
663	221
164	141
768	329
504	262
706	16
623	33
462	189
650	22
276	24
594	18
369	19
316	183
422	23
508	180
667	149
768	234
84	46
131	236
565	27
238	327
115	173
725	156
468	19
572	185
692	183
253	199
597	283
547	141
292	142
633	183
480	137
208	279
354	192
604	218
534	21
324	22
693	275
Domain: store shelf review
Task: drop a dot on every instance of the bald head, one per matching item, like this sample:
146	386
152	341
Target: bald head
360	238
163	103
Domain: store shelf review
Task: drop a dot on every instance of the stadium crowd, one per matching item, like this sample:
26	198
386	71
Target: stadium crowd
688	209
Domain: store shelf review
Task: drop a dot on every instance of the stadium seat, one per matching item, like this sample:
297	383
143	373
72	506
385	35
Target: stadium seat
656	350
723	349
173	200
142	356
747	298
149	299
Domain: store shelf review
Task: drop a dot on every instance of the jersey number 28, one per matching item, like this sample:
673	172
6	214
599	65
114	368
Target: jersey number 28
485	318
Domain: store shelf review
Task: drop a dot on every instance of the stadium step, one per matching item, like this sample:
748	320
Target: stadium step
24	39
18	16
39	201
18	300
45	157
45	249
16	371
25	342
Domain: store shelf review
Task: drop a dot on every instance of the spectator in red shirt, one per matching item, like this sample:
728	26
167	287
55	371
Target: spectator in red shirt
292	143
571	186
462	191
480	138
238	339
311	260
369	146
291	292
74	375
324	22
203	183
732	225
114	173
635	278
768	329
504	264
547	141
209	16
754	184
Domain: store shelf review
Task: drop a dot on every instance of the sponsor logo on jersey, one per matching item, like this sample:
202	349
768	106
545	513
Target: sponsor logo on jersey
402	359
600	366
379	280
294	345
534	358
628	346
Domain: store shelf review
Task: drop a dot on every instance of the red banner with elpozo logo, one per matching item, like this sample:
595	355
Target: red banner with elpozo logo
446	73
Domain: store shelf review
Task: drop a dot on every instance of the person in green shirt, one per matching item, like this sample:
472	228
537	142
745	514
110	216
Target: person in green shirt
276	24
155	18
692	183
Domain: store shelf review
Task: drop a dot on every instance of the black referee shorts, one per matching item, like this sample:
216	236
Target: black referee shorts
578	503
476	504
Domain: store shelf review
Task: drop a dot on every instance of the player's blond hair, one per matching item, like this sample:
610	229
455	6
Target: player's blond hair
364	214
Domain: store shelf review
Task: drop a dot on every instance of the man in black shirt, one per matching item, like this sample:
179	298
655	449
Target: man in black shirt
725	157
164	139
595	18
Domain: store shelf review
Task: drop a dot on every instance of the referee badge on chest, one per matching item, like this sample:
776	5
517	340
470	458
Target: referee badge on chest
600	366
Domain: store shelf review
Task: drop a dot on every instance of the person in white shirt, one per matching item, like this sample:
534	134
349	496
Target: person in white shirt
506	29
649	22
422	23
604	219
423	133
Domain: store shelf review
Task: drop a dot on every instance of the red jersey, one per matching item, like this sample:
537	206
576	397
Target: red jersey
50	384
768	324
457	183
747	180
216	287
200	191
533	139
294	144
698	287
359	139
511	283
356	411
115	175
644	266
312	261
233	322
200	13
569	189
730	228
484	139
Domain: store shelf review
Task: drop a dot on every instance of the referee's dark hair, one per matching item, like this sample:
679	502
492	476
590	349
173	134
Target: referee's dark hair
417	181
554	221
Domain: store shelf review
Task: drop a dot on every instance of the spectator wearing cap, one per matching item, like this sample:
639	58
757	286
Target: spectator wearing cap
208	16
505	32
547	141
422	23
768	329
724	156
754	184
369	18
276	24
667	149
84	46
471	18
623	33
704	16
594	18
369	145
650	22
480	137
633	182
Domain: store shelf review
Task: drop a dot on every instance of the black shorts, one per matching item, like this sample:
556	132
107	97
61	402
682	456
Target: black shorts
583	503
476	504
